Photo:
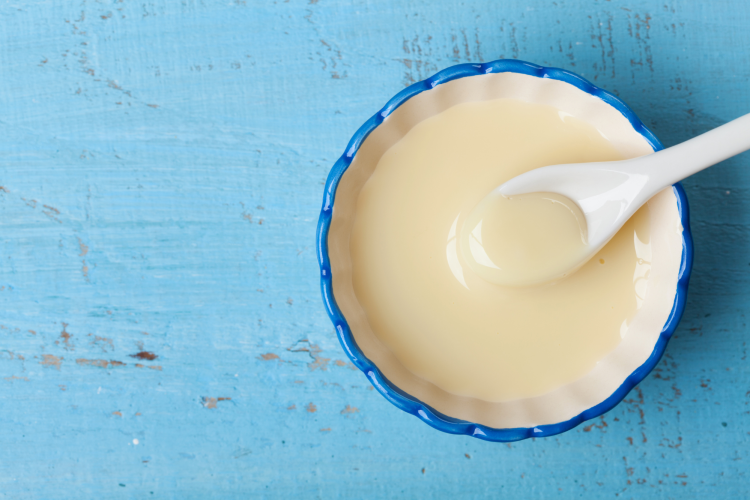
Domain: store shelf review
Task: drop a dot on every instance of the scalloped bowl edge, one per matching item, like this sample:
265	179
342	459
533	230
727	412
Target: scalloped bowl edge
410	404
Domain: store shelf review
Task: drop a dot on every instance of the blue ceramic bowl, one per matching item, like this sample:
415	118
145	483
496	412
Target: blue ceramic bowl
414	405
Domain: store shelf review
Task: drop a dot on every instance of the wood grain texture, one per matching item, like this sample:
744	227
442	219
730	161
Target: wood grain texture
161	328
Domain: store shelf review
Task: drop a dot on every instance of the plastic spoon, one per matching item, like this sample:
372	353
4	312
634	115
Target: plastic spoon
608	193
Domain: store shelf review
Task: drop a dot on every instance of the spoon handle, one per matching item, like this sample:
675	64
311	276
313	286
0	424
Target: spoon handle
683	160
608	193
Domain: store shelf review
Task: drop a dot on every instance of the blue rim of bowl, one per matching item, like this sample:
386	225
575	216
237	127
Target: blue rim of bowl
409	403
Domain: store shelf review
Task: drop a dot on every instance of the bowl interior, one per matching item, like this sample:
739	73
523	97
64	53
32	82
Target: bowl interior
611	372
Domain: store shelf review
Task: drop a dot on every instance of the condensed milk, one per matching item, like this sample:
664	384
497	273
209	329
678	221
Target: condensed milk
423	255
524	240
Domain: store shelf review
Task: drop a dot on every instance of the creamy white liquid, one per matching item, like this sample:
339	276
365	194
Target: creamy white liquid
443	319
524	240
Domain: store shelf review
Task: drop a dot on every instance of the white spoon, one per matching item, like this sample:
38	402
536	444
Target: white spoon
608	193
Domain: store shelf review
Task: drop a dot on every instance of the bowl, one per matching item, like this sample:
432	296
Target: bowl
618	372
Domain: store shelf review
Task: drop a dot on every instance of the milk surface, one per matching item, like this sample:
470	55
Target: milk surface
444	320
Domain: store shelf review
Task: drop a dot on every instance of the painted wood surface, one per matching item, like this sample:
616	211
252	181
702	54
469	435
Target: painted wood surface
161	328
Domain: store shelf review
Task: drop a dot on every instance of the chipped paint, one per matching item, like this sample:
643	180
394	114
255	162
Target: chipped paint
65	336
99	363
84	249
104	343
51	360
313	350
144	355
212	403
150	367
346	364
349	410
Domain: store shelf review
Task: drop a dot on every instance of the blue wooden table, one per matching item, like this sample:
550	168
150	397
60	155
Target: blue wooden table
161	328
